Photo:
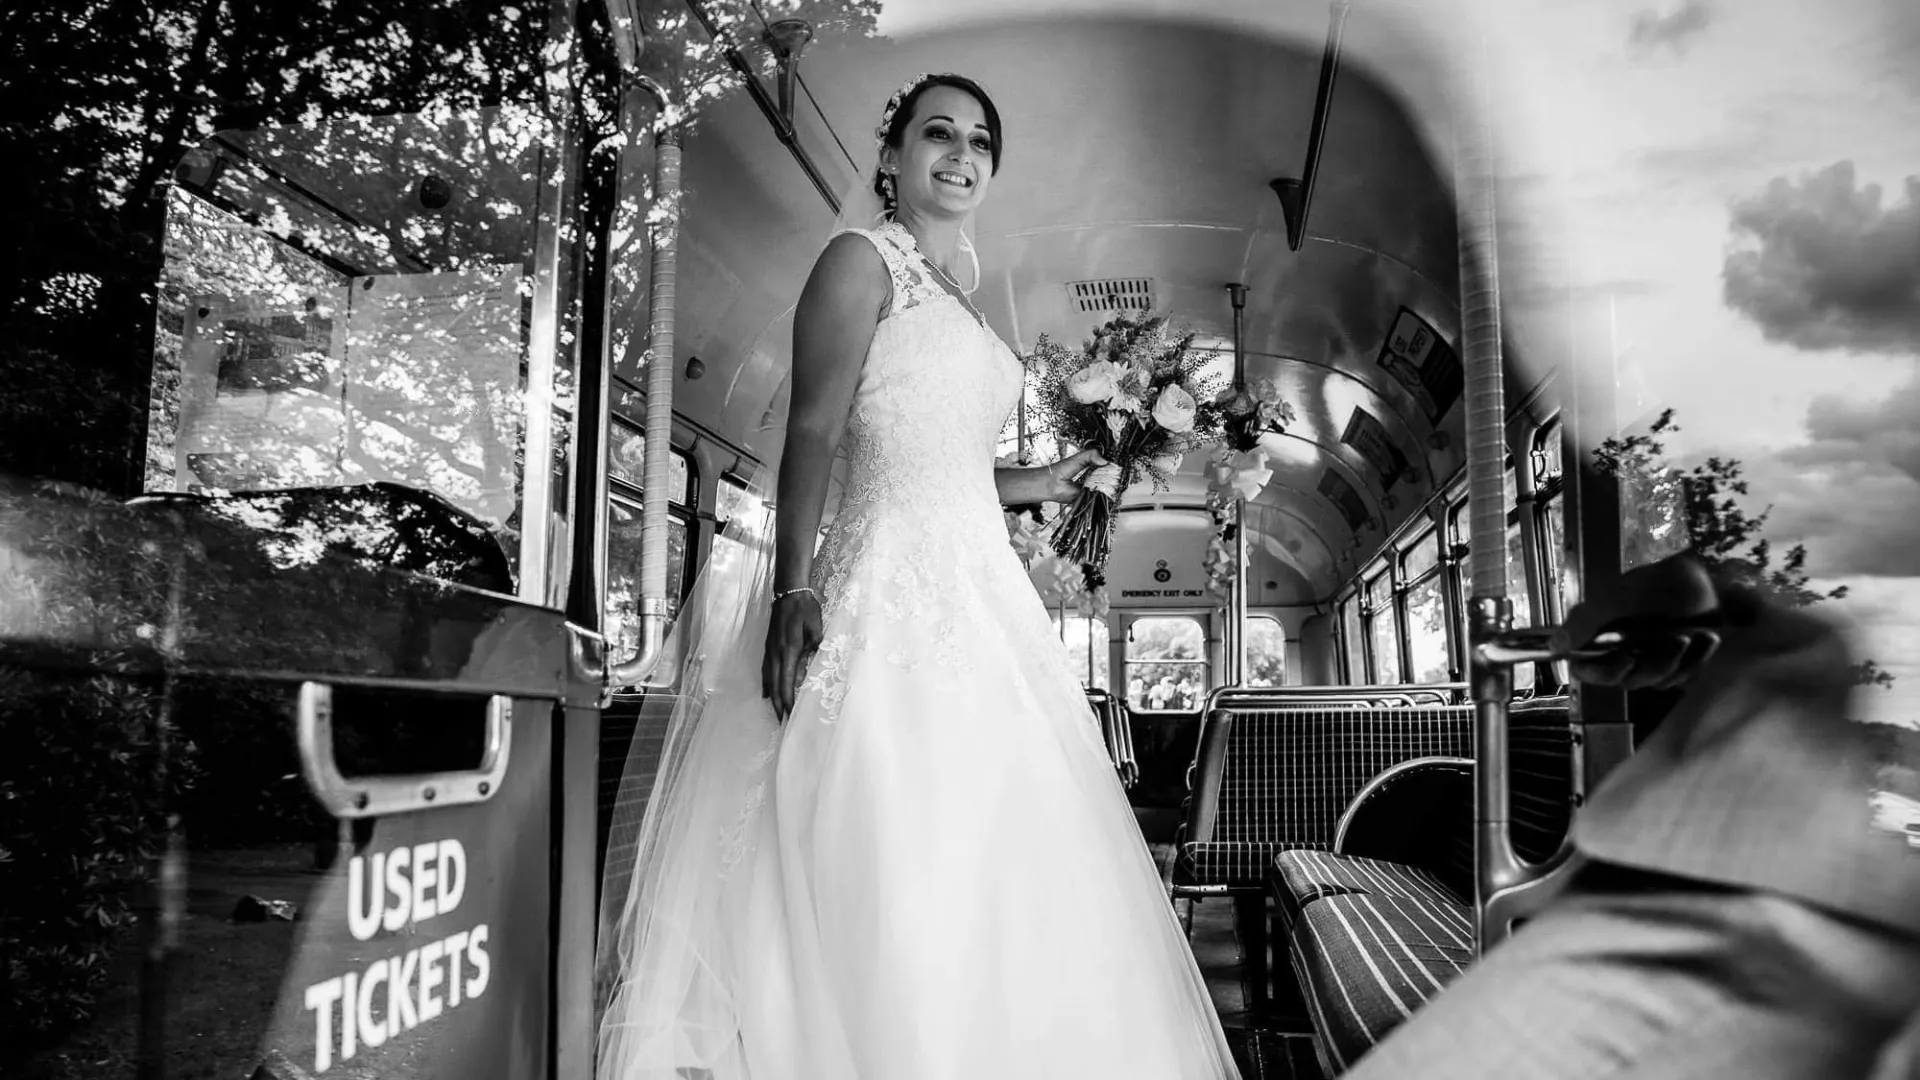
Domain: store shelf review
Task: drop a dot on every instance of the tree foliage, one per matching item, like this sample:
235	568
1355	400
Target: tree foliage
1701	507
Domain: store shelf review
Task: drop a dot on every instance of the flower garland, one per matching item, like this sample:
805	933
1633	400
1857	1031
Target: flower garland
1231	476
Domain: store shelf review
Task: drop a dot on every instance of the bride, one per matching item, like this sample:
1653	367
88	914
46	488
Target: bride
889	845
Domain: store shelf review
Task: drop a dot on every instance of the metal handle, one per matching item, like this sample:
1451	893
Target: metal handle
1547	644
379	796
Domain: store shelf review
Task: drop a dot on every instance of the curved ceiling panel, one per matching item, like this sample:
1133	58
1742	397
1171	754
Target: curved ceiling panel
1143	148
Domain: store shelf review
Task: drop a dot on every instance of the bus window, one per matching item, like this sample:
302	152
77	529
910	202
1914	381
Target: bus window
1266	651
1354	638
1086	641
731	499
1166	664
1426	611
1517	589
1519	592
623	541
1383	631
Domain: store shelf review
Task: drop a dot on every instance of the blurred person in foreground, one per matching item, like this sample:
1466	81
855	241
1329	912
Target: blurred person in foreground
1740	910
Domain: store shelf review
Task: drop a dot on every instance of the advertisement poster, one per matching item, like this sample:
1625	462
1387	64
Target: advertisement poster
1422	362
1366	434
1341	494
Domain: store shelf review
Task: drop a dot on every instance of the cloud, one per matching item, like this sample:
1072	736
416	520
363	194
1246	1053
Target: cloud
1673	30
1851	492
1822	264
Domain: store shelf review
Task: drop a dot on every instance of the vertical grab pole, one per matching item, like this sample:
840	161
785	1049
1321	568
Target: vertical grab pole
664	221
1238	659
1490	610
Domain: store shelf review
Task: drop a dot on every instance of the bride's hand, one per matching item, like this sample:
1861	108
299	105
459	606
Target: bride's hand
793	635
1065	475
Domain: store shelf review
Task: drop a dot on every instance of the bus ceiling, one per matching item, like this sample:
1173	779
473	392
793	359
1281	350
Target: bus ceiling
1144	156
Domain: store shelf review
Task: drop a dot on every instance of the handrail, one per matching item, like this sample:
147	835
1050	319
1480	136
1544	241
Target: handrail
654	521
1296	196
783	128
1382	779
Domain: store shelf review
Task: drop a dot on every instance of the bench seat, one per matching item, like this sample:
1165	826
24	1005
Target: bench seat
1298	878
1367	960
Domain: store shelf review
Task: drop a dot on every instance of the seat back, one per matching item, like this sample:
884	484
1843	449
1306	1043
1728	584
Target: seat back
1283	774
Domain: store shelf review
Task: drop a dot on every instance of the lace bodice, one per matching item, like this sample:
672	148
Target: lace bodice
917	558
932	400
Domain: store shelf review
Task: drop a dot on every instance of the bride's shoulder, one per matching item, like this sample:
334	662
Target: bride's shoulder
853	269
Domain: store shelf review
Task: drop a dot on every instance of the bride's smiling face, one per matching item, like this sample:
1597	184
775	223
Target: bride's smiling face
946	155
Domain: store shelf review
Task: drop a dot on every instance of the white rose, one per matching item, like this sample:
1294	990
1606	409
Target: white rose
1168	463
1095	383
1174	410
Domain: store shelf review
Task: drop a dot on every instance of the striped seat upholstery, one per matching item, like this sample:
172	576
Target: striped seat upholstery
1367	960
1279	777
1373	939
1300	877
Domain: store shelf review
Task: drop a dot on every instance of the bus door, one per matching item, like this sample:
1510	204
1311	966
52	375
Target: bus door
339	599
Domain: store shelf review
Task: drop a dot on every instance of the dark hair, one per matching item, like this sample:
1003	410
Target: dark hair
897	126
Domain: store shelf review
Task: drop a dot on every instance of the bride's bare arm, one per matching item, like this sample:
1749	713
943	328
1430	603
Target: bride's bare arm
832	329
1057	482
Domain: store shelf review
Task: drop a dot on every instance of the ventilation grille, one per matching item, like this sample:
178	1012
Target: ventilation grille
1112	294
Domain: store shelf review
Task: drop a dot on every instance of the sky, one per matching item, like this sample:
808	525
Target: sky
1743	179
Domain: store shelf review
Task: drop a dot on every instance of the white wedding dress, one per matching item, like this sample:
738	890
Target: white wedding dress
933	873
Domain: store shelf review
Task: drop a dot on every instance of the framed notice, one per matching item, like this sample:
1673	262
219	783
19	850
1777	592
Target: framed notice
1423	363
1366	434
1341	494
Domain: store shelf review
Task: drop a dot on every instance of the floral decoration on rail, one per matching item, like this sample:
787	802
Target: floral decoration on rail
1135	393
1250	412
1231	476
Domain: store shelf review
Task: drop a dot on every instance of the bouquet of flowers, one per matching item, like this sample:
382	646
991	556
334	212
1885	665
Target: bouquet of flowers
1134	392
1253	411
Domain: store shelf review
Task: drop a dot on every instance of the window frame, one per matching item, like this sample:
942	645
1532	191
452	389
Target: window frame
683	512
1128	661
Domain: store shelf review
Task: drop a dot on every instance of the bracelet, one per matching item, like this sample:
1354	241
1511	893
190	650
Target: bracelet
779	596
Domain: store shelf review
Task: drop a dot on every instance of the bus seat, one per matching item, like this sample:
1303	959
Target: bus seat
1366	961
1302	876
1271	775
1379	926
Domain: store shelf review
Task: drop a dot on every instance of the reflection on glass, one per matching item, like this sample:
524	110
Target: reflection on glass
1166	664
1547	445
1266	652
1383	631
1427	631
1653	517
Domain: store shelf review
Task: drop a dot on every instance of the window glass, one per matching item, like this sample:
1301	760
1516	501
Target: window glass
1421	558
1355	637
622	617
1166	664
627	461
1086	641
1427	631
1266	652
1383	633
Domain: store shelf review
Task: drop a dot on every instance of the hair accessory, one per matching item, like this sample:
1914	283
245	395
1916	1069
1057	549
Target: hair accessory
893	106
